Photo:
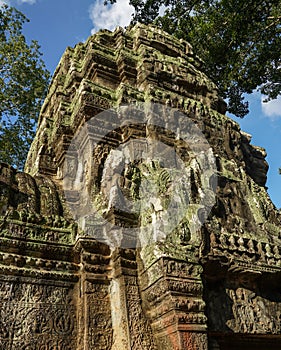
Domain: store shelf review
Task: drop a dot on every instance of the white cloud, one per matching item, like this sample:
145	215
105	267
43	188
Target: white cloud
2	2
19	2
272	109
31	2
111	16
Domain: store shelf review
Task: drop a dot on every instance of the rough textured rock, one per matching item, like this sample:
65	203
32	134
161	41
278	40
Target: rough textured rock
216	288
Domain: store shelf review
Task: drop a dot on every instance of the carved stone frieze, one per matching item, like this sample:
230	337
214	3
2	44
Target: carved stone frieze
235	308
34	315
246	251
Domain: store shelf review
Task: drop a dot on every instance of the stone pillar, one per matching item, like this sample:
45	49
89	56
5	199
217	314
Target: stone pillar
172	293
95	327
131	329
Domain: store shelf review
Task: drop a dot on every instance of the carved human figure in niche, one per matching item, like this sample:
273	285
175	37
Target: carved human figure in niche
115	194
69	172
45	197
136	182
63	322
243	311
49	202
262	319
84	184
27	193
249	311
185	233
132	180
239	309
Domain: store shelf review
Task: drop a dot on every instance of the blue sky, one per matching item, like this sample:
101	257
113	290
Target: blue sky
56	24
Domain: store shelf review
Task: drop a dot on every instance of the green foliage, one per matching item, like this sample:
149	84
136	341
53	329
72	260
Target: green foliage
239	41
23	87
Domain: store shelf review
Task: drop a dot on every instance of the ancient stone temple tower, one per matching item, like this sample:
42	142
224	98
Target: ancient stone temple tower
71	280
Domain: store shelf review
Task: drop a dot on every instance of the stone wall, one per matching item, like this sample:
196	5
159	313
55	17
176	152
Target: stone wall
211	283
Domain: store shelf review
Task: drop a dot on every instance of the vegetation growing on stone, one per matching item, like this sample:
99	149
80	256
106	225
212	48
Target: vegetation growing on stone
239	41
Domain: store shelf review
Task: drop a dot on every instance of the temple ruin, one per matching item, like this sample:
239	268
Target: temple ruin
212	282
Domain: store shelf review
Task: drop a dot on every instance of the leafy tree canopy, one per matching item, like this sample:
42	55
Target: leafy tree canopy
239	41
23	86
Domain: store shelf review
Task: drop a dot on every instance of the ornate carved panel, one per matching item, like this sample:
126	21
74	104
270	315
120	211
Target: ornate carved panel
35	316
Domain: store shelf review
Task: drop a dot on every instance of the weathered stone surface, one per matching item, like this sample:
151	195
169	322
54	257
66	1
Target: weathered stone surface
216	287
